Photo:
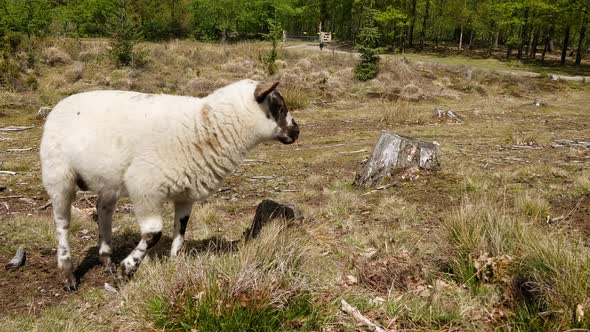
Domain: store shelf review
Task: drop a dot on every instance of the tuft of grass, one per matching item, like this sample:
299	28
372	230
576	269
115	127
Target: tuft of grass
582	183
296	98
533	205
402	112
264	286
553	269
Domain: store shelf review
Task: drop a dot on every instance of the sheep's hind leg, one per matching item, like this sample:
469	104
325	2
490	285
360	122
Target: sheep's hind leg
151	225
62	196
105	206
182	213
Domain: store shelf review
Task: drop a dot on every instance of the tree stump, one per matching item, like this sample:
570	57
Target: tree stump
268	211
43	112
394	153
19	259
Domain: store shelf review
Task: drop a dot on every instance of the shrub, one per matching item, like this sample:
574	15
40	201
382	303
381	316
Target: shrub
367	68
125	34
274	35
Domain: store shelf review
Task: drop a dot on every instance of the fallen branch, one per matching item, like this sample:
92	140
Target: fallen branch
353	152
19	150
262	177
11	197
45	206
356	314
19	259
526	147
8	172
16	128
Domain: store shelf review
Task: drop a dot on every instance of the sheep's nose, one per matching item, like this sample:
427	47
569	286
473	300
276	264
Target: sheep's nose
295	128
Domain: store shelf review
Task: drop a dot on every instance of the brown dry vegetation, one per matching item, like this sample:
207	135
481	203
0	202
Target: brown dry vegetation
496	240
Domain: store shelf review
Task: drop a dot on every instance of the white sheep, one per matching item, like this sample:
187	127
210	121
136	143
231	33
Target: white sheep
153	149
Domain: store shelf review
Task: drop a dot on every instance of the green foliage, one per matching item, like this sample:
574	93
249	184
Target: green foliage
274	35
211	312
124	35
367	41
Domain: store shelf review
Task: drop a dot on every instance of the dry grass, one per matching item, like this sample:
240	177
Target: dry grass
551	270
402	112
267	274
440	252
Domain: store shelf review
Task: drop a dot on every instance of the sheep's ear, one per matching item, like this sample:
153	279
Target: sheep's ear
260	96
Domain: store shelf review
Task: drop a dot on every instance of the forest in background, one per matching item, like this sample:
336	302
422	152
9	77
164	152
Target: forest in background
526	29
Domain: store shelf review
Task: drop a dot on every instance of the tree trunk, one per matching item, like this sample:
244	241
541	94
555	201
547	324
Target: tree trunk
471	38
566	41
523	34
533	54
394	154
461	38
412	23
496	39
424	24
546	48
581	45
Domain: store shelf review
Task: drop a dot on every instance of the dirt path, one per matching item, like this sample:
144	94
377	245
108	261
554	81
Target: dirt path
519	73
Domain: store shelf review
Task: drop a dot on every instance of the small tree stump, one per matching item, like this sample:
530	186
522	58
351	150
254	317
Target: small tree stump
43	112
394	153
19	259
269	210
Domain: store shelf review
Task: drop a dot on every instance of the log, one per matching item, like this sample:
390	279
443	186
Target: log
16	128
268	211
19	259
447	115
356	314
43	112
19	150
392	155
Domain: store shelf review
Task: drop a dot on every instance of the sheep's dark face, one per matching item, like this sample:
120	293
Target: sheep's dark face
288	130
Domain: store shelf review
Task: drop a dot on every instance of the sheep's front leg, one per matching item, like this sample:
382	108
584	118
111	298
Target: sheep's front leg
151	225
105	206
61	199
182	213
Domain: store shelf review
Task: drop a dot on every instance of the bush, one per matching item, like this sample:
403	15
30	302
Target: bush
125	34
274	35
368	38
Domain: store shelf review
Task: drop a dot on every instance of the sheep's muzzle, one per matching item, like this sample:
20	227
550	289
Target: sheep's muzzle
289	134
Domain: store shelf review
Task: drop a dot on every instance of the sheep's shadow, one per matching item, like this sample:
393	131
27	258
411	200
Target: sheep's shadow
124	243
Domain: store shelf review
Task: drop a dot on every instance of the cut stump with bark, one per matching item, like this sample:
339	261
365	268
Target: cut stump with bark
19	259
394	154
268	211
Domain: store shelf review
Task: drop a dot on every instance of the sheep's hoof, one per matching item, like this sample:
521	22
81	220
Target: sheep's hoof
109	267
71	284
124	273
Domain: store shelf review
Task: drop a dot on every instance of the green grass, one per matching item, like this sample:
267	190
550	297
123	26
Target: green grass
210	313
555	268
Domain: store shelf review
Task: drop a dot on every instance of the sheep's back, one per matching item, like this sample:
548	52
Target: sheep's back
100	133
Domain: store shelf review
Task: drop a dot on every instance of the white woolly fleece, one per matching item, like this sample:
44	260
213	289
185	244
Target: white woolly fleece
150	147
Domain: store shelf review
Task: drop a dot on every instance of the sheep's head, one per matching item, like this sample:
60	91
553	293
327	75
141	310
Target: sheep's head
273	103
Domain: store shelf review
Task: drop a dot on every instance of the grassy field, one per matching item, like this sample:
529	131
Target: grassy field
497	240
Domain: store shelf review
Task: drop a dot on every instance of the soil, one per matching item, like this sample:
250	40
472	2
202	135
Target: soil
576	211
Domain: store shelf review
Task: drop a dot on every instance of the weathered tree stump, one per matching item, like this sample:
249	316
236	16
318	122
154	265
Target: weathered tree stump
268	211
19	259
447	115
43	112
394	153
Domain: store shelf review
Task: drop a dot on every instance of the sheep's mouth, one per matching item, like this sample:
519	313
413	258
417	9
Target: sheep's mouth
288	137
